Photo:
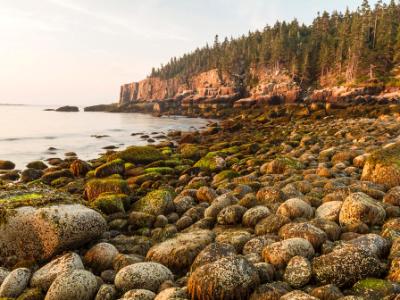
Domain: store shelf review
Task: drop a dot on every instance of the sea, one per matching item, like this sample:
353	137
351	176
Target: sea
28	132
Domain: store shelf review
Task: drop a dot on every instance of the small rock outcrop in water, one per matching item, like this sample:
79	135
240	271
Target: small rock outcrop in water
68	108
268	204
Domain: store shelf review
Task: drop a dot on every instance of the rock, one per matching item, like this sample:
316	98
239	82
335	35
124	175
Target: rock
15	283
31	294
231	277
280	165
183	203
271	224
95	187
394	271
37	165
211	163
29	175
101	256
218	204
252	216
139	294
106	292
237	238
271	291
372	244
179	252
43	232
280	253
138	154
345	266
211	253
382	166
206	194
295	208
80	168
257	244
374	288
269	195
172	293
44	277
145	275
109	203
140	219
117	166
48	177
329	210
359	207
68	108
231	215
224	176
393	196
156	203
3	274
327	292
298	271
306	231
6	165
77	284
297	295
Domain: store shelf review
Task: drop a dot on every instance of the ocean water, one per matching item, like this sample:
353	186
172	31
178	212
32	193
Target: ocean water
27	132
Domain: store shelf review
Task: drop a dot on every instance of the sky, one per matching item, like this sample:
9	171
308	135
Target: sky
79	52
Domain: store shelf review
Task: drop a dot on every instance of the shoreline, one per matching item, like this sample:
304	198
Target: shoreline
278	193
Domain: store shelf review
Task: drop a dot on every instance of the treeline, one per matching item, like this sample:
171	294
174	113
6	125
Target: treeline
350	47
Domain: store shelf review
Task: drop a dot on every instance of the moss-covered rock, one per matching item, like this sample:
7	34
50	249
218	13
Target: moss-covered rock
50	176
6	165
117	166
224	175
158	202
190	151
383	166
110	203
37	165
280	165
95	187
80	168
138	154
211	163
143	178
373	288
160	170
31	294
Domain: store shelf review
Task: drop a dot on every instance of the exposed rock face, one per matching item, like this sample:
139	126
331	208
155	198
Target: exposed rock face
30	233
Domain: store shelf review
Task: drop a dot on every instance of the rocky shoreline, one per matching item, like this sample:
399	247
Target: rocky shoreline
272	202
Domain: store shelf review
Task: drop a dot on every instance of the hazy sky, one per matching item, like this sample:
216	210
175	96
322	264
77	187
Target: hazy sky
81	51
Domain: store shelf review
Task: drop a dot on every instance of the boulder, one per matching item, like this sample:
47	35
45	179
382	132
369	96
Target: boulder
298	272
383	166
144	275
179	252
231	277
40	233
361	208
78	284
158	202
44	277
101	256
68	108
6	165
15	283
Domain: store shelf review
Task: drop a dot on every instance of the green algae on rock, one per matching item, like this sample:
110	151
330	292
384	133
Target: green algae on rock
138	154
117	166
156	203
110	203
95	187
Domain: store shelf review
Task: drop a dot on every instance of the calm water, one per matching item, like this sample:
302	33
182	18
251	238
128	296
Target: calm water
26	132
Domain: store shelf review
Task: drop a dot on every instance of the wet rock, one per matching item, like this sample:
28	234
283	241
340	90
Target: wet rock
46	231
78	284
345	266
80	168
295	208
44	277
156	203
67	108
101	256
37	165
359	207
231	277
179	252
280	253
298	271
49	177
29	175
6	165
145	275
95	187
15	283
116	166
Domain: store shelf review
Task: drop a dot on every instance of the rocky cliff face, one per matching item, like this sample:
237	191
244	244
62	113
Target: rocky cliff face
214	89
